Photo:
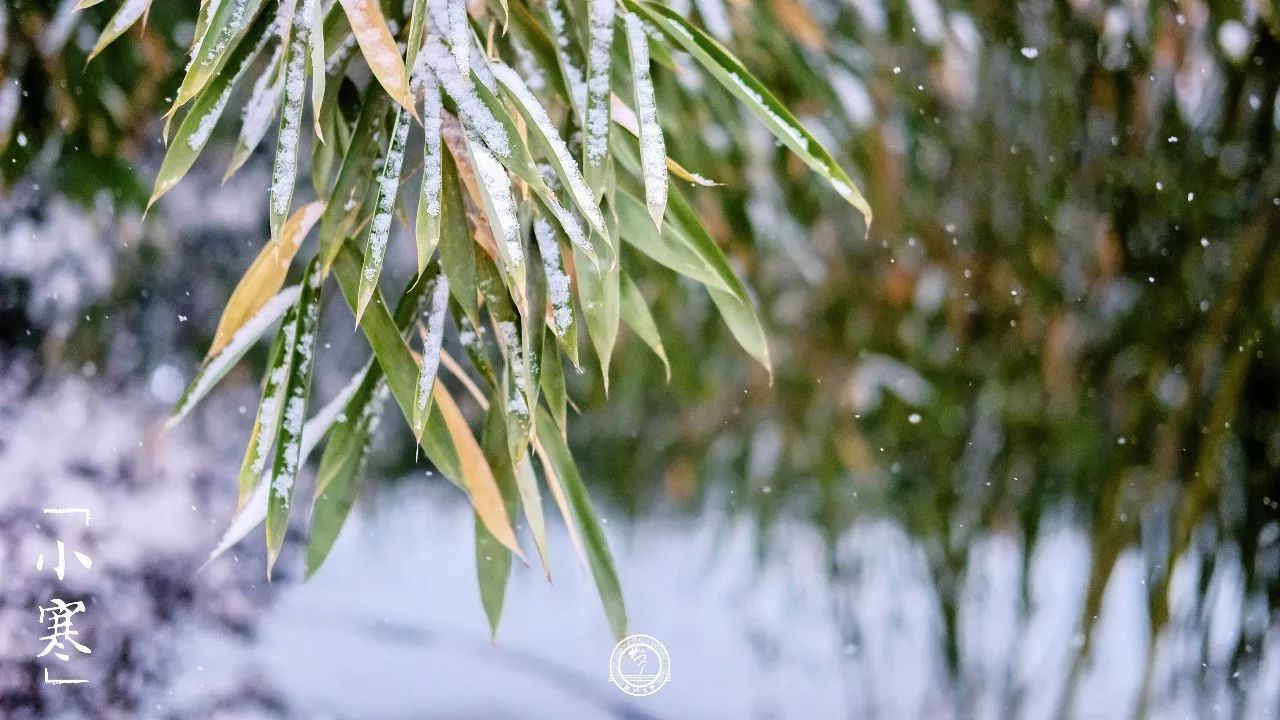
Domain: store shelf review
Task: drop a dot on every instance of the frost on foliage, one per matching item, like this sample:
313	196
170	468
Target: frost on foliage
432	169
295	74
476	116
564	159
459	33
653	149
388	189
240	342
572	73
261	106
497	186
598	60
198	138
557	279
431	342
232	29
295	408
515	361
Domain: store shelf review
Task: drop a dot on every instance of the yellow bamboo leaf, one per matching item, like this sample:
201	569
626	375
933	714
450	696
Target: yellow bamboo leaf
265	276
477	476
379	49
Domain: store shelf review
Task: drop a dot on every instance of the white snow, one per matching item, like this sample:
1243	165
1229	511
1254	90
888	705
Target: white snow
653	149
557	280
497	187
284	171
476	116
572	73
431	343
388	190
598	61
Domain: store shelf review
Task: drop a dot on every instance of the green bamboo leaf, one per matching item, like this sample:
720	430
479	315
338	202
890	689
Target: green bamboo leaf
122	20
216	366
261	107
417	23
266	424
531	504
342	465
292	411
227	21
493	561
379	232
347	201
518	377
568	56
559	287
560	463
316	51
457	250
598	295
751	92
552	380
198	124
669	246
635	312
494	187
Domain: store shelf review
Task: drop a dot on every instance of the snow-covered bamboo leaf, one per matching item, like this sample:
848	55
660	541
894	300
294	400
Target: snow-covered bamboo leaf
531	504
417	27
316	52
227	21
342	465
595	146
653	149
517	381
122	20
569	56
293	411
459	32
561	158
494	187
751	92
635	313
482	487
432	337
375	248
216	366
493	561
427	223
559	287
559	464
379	49
198	124
625	118
265	275
396	360
284	170
266	424
254	511
260	109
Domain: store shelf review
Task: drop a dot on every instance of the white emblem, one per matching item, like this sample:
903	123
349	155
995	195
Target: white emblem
640	665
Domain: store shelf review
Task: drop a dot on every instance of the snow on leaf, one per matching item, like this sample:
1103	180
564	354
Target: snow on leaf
380	226
599	53
431	343
573	74
558	284
284	170
476	116
653	149
561	157
125	17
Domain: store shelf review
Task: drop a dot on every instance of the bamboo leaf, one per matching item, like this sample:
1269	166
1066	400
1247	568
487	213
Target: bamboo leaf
228	19
552	379
260	108
284	170
316	46
427	222
598	295
559	463
751	92
216	366
493	561
265	275
668	246
457	251
375	247
653	149
347	200
531	504
292	411
198	124
122	20
635	312
559	287
266	424
595	148
379	49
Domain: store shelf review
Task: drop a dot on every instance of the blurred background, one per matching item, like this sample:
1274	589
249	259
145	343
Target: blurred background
1020	455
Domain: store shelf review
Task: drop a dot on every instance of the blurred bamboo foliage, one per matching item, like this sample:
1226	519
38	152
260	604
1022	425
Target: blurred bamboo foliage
1069	298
